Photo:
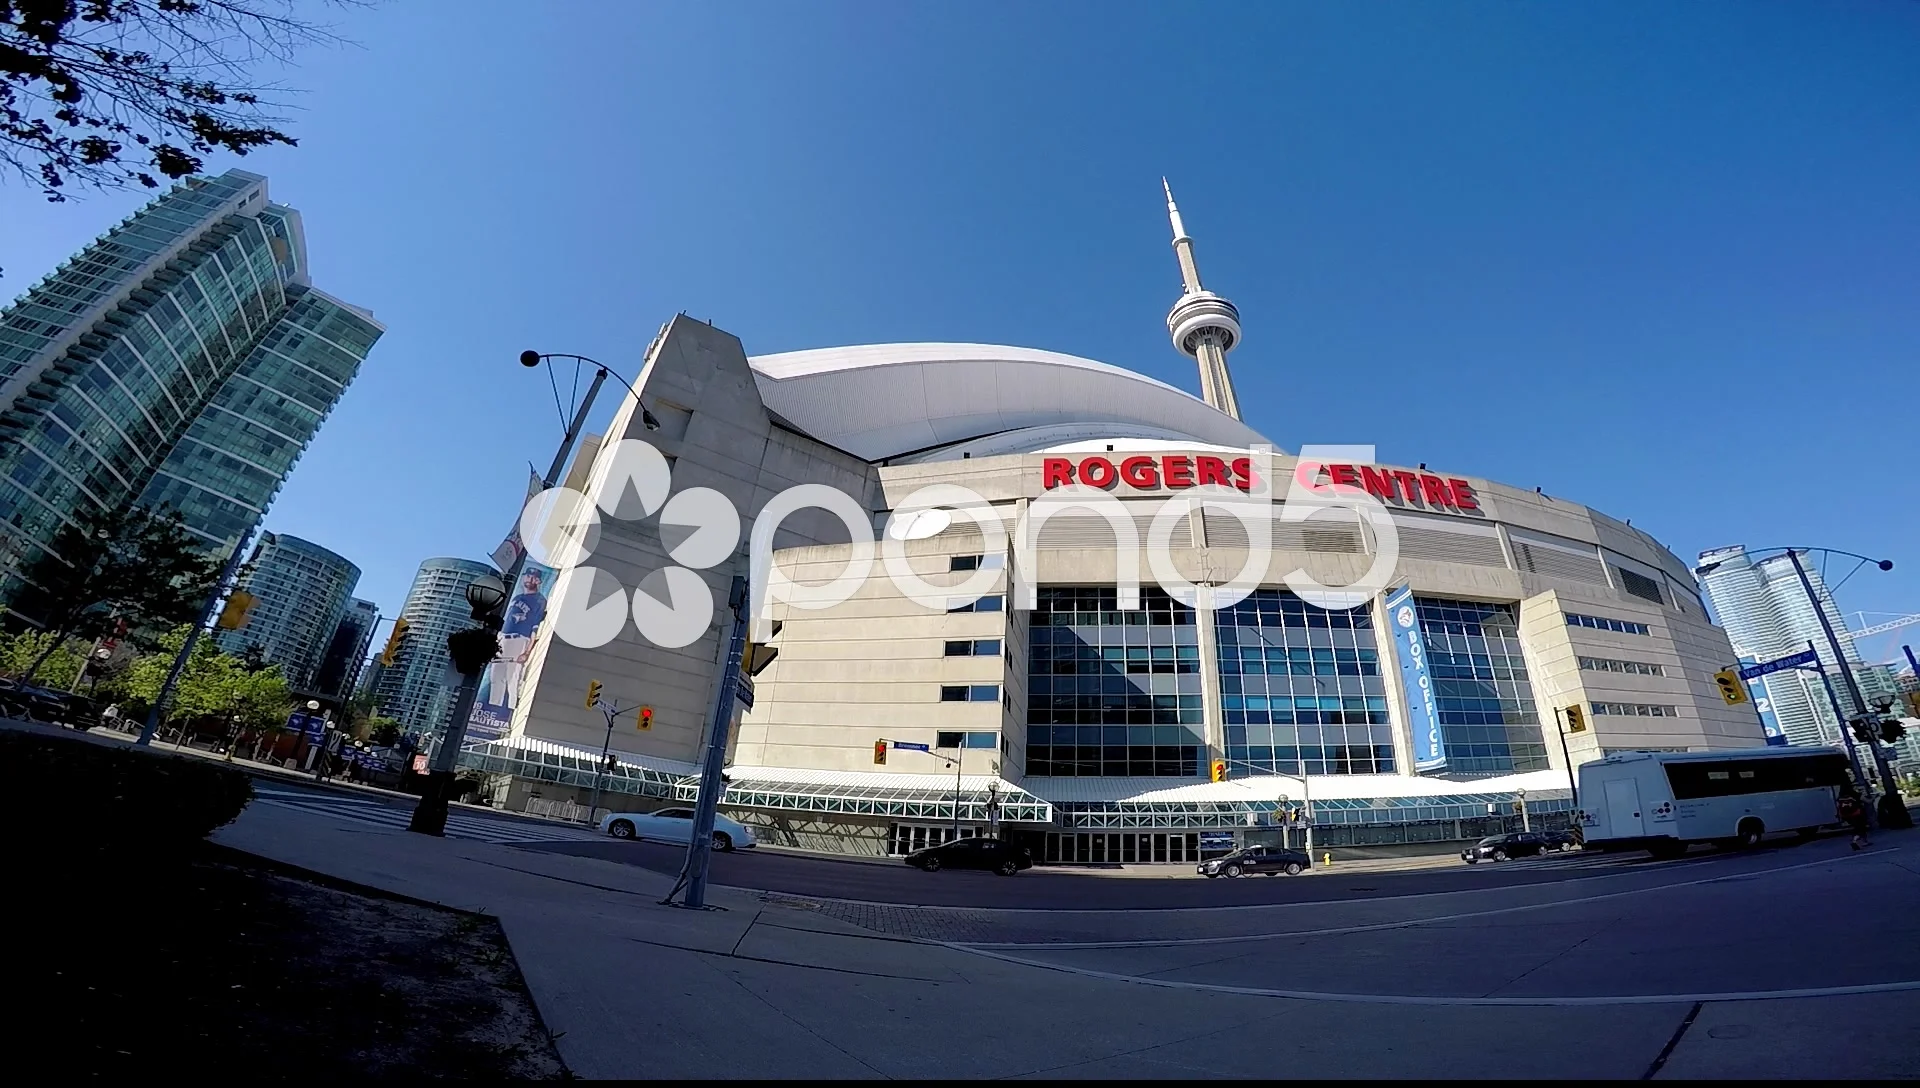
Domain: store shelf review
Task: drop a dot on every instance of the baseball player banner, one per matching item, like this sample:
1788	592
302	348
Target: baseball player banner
526	612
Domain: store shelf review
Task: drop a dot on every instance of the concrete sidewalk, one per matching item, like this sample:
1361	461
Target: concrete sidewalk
631	989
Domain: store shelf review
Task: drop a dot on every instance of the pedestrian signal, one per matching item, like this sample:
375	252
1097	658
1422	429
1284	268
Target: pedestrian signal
1732	691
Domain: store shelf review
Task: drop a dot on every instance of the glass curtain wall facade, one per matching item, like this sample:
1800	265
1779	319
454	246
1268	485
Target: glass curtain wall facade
1113	693
301	592
347	650
415	689
1300	688
165	364
1488	720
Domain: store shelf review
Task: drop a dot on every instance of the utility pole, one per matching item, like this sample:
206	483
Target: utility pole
612	712
693	874
1573	782
159	708
1893	813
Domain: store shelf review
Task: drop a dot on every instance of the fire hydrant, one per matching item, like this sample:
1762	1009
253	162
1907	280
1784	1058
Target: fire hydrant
1326	858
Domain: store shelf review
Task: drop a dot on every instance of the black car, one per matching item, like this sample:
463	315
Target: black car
1519	844
1000	857
1269	860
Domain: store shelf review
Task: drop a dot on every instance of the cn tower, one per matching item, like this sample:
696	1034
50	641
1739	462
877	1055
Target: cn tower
1204	326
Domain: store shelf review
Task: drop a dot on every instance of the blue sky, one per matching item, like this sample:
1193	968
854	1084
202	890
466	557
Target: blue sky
1655	258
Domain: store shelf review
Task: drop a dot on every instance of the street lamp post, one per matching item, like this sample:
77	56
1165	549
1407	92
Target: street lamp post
430	816
1892	811
1520	799
472	650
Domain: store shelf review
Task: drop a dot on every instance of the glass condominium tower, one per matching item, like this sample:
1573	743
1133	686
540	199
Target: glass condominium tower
183	360
301	592
1767	615
417	689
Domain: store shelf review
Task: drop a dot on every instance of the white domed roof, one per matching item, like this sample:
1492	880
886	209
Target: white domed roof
881	401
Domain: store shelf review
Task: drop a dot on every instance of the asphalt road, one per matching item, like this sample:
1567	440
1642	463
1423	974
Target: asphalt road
895	883
1054	889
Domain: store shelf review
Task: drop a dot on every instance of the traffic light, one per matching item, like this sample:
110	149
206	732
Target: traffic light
1576	719
1219	770
645	721
234	615
393	641
1863	731
879	752
613	762
1732	691
593	694
758	655
1891	730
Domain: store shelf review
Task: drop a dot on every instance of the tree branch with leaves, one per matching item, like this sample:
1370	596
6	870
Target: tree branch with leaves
142	566
112	93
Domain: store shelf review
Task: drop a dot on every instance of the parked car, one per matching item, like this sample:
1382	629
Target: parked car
976	853
1269	860
1518	844
676	825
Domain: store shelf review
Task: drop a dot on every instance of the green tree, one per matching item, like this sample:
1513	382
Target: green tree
383	732
212	685
142	566
111	93
57	663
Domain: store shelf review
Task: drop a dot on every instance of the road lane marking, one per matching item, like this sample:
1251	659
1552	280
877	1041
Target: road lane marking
1243	938
1412	999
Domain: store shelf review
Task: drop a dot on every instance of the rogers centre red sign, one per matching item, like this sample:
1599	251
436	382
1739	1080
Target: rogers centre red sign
1173	471
1178	471
1391	484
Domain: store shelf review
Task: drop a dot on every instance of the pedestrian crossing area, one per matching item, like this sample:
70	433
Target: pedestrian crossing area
460	824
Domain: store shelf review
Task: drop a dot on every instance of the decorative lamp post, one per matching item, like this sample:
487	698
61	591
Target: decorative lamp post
472	650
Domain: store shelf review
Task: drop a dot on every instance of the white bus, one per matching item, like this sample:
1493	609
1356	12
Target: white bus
1666	801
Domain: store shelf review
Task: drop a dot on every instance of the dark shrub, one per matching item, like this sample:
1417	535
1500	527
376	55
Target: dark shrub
67	788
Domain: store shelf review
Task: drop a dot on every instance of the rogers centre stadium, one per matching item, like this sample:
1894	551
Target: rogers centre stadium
1513	631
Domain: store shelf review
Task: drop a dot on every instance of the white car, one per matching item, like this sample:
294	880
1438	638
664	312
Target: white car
676	825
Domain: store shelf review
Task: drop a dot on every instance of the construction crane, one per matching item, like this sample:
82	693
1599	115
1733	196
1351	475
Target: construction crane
1883	628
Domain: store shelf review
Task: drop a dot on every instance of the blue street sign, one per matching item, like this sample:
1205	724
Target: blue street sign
909	746
1778	664
743	691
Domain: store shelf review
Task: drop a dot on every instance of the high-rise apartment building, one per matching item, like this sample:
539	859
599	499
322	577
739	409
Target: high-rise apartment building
301	592
347	651
1767	615
415	689
184	359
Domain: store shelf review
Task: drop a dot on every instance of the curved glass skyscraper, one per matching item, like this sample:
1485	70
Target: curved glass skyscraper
301	592
416	689
184	359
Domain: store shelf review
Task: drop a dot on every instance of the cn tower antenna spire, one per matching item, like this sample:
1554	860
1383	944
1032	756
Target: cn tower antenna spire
1203	325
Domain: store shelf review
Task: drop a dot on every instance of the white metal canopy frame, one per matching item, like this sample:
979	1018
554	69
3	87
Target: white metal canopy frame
1015	805
546	761
1343	811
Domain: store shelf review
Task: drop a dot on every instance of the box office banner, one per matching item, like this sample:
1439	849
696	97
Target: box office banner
1403	617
